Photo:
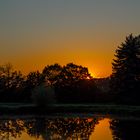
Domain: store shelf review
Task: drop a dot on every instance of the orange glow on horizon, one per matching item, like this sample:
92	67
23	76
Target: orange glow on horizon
98	62
34	64
87	33
87	51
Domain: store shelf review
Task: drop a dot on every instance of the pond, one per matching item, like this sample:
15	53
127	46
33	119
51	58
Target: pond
70	127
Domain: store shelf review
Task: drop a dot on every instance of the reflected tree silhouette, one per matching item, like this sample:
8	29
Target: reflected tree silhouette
125	129
11	128
50	129
70	128
36	127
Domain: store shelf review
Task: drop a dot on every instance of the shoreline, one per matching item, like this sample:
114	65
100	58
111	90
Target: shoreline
30	109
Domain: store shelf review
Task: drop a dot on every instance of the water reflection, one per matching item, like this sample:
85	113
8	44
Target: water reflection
125	129
63	128
102	131
50	129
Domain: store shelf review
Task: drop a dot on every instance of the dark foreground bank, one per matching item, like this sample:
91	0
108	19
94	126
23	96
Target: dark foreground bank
31	109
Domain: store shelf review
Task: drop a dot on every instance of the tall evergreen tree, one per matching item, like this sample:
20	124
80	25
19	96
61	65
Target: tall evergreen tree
126	70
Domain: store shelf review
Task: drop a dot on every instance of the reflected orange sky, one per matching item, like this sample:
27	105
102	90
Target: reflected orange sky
102	131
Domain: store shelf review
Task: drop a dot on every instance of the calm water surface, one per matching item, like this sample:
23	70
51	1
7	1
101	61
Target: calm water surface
69	128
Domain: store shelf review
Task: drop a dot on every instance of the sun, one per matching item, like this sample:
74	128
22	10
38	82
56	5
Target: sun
93	75
88	78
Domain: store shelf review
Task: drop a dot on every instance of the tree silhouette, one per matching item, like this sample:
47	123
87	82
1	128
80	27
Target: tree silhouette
126	71
11	83
51	73
65	75
33	80
71	82
69	87
72	73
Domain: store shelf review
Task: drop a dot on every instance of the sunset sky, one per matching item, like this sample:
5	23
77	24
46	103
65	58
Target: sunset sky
34	33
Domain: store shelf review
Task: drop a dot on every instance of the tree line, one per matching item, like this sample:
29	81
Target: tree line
73	83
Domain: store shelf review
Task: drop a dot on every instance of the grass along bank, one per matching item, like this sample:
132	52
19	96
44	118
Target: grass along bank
18	108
